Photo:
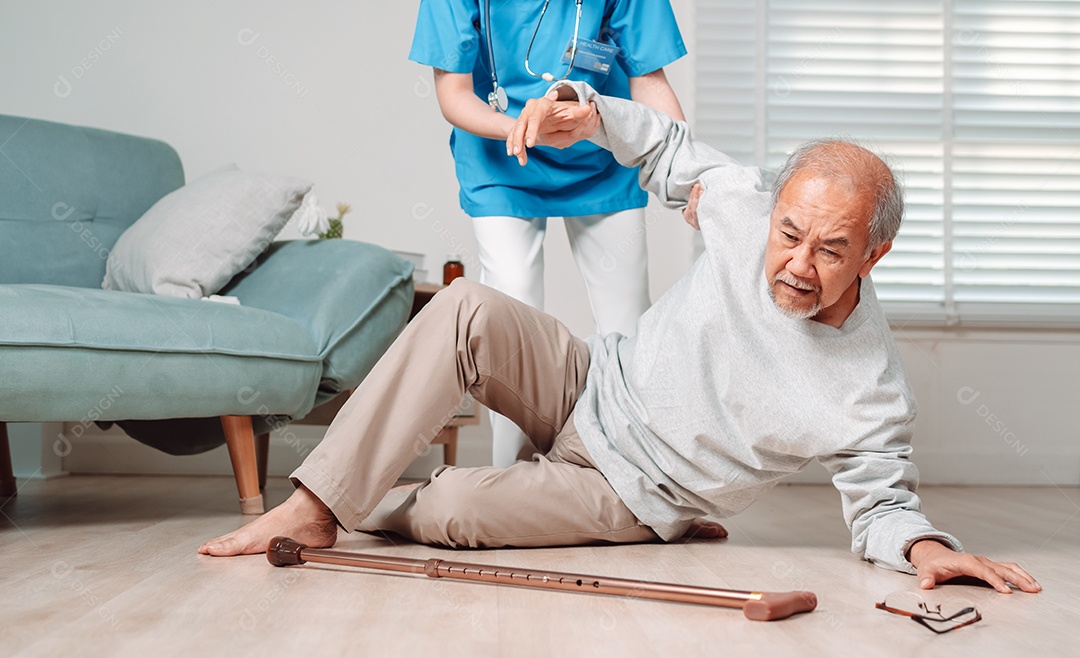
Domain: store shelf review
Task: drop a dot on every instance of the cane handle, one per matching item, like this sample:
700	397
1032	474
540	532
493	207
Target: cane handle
779	605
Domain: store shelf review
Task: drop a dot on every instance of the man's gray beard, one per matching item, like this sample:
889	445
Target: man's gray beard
794	313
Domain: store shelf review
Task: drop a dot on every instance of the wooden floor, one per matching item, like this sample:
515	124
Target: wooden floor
106	566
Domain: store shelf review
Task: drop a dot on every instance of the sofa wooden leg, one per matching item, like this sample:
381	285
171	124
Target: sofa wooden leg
7	475
240	439
262	453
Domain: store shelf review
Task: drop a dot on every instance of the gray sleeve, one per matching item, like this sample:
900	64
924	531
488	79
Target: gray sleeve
877	489
670	161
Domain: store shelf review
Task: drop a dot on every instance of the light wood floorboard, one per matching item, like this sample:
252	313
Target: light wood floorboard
103	565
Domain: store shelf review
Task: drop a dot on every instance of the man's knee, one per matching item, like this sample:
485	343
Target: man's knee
463	293
462	288
472	300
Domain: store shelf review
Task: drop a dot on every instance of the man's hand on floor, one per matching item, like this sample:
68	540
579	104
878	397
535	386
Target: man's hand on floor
937	563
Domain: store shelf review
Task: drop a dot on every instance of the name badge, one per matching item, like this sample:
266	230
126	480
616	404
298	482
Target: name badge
591	55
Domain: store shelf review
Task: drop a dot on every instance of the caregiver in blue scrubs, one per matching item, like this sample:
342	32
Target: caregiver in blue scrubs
511	51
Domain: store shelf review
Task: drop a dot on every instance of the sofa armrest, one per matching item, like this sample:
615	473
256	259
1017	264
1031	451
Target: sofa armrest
354	298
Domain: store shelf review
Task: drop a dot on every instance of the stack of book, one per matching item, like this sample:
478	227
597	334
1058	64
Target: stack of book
419	272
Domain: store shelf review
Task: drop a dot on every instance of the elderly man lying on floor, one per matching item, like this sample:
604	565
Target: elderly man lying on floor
772	351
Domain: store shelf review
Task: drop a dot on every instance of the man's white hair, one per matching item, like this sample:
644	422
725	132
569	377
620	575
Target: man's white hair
863	169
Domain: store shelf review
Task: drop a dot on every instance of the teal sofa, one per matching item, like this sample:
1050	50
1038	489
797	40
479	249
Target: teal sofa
183	375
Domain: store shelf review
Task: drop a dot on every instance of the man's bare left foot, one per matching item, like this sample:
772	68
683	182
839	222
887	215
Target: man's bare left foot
302	517
702	529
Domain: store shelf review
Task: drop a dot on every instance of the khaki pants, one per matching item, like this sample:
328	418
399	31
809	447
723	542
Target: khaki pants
513	359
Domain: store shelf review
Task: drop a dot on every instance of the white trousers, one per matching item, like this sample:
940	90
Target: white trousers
610	251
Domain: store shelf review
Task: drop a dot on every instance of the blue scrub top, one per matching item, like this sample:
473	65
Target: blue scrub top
583	179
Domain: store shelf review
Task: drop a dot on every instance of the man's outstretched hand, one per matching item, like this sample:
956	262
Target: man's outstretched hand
549	121
937	563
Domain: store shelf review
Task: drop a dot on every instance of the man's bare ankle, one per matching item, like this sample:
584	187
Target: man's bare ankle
305	501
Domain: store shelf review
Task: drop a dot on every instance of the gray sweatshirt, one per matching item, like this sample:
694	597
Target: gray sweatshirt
720	395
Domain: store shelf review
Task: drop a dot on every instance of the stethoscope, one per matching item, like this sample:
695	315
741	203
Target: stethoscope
497	99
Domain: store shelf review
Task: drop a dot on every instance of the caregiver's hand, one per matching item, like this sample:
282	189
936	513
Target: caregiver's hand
548	121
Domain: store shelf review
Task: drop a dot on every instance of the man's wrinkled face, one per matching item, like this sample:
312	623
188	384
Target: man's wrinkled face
817	248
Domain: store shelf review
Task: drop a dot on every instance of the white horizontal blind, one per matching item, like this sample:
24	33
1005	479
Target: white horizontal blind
1016	152
976	102
727	81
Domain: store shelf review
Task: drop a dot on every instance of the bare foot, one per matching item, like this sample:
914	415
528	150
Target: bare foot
701	529
302	517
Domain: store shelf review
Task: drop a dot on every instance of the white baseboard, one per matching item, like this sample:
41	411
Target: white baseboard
966	469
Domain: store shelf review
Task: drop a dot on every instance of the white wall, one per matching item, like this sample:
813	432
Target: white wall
324	91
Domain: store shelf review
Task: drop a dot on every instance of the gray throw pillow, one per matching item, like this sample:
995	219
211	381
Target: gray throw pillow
196	239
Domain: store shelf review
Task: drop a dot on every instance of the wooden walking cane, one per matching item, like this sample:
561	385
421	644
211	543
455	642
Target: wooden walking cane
759	606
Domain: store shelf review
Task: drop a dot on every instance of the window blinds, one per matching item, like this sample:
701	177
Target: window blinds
976	102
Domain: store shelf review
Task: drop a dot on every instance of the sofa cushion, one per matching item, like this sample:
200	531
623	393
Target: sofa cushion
136	356
67	193
352	297
194	240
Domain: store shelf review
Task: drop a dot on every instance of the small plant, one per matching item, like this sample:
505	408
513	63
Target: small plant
314	220
335	229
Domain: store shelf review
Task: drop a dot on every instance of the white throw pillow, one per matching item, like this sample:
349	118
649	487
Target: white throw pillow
196	239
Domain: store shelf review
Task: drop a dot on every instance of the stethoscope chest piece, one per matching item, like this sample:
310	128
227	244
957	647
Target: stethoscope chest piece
497	99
